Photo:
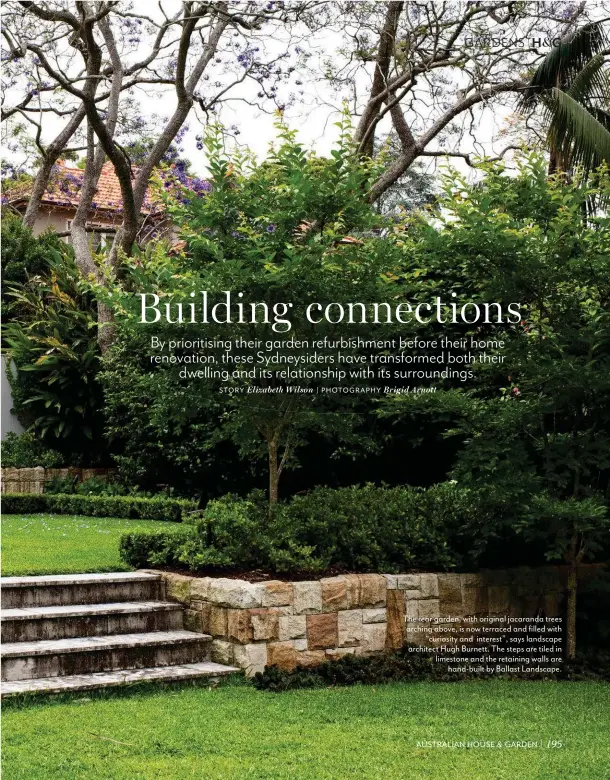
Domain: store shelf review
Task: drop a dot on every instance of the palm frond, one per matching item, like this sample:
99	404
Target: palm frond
564	62
591	83
582	139
603	117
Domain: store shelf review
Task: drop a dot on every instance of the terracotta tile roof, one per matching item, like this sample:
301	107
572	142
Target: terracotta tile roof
65	186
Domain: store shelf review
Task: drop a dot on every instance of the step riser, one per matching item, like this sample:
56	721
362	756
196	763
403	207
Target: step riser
91	625
63	664
94	593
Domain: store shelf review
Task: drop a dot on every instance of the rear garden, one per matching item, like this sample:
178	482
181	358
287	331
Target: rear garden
342	517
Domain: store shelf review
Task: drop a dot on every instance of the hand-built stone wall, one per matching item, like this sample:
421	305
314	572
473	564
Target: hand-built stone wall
33	480
291	623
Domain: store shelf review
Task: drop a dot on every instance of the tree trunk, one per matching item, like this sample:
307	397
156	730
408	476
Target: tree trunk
274	474
570	652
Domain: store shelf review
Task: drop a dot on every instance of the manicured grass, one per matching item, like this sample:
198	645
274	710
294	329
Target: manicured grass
367	733
62	544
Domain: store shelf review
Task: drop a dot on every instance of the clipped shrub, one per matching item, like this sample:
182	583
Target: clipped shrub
153	548
350	529
128	507
25	451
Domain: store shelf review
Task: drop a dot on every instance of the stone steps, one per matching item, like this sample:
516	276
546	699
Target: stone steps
76	632
69	621
58	589
86	682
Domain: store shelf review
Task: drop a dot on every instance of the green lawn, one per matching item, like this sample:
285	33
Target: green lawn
236	732
62	544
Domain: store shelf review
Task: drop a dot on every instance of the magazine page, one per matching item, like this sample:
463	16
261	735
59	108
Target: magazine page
305	390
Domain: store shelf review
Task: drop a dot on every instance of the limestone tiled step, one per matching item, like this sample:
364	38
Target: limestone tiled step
86	655
32	624
85	682
58	589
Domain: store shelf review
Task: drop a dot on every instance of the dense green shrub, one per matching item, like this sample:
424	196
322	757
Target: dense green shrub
400	666
154	548
96	486
25	451
353	529
50	335
129	507
404	666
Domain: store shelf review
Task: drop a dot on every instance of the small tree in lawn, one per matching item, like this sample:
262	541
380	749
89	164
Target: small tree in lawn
276	233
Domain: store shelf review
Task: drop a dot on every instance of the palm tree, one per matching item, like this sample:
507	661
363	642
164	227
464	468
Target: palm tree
573	85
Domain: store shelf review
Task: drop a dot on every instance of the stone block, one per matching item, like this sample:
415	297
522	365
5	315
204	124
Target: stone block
299	644
471	580
277	593
322	631
292	627
218	621
265	623
450	595
252	658
391	581
193	621
407	581
474	600
349	625
374	615
428	608
334	594
235	593
429	586
239	626
412	594
412	609
497	577
281	654
339	652
204	611
311	657
366	590
499	599
177	587
373	637
222	652
307	597
395	615
200	587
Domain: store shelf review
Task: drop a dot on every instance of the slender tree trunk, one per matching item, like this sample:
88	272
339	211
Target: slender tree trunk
570	652
52	153
274	474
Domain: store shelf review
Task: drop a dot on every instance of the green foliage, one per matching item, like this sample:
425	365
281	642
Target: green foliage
572	84
140	549
351	529
534	426
272	231
24	451
400	666
134	507
95	486
23	255
51	337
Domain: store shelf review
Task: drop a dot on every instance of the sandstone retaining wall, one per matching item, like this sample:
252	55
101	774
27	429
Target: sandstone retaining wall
290	623
33	480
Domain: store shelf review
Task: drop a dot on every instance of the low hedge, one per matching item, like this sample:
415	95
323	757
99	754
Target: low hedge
357	528
128	507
